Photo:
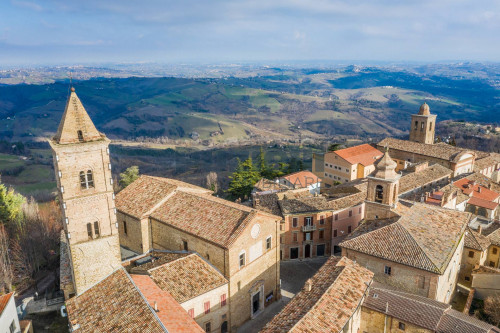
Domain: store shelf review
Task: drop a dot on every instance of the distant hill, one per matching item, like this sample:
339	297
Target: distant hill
288	103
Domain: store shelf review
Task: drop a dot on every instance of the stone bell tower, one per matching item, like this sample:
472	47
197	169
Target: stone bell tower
85	189
423	126
383	189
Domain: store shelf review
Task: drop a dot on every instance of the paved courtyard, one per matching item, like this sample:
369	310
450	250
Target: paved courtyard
294	274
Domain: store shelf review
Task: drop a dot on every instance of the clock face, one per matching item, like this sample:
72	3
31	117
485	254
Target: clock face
255	231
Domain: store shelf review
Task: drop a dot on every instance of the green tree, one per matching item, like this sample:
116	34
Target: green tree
334	146
243	179
128	176
11	206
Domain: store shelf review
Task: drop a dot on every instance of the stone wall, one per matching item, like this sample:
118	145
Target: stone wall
373	321
137	237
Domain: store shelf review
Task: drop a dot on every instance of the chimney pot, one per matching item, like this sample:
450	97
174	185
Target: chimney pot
156	306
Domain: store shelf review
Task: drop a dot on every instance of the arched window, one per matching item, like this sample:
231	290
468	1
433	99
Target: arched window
379	193
422	125
80	136
96	229
86	179
416	124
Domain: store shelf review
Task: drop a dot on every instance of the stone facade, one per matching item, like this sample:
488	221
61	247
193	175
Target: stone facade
306	235
470	258
84	181
423	128
134	232
258	276
374	321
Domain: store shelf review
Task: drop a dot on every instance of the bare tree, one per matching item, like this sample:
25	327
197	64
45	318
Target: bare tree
212	182
6	275
492	308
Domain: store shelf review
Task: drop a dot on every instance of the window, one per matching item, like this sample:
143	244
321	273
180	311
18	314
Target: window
86	179
242	259
416	124
335	233
80	136
268	243
321	219
223	300
12	327
96	229
401	326
308	221
494	251
349	229
467	278
336	217
492	264
295	222
191	313
206	306
208	327
89	230
185	245
294	235
471	254
346	170
379	193
125	227
422	126
208	256
387	270
350	213
321	233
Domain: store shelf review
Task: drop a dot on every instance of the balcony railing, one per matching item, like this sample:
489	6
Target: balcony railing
309	241
306	228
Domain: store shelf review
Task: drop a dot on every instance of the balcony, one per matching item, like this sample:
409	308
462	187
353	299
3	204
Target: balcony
307	228
309	241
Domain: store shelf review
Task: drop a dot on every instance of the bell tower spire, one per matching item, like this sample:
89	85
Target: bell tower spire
85	189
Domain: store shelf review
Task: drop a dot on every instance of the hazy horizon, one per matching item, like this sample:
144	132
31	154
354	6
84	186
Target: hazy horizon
56	32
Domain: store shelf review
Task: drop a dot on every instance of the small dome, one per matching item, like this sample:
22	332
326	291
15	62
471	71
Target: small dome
72	89
424	110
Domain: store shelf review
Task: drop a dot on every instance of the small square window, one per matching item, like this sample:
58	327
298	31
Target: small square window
268	243
471	254
495	250
335	233
349	229
467	278
387	270
322	220
208	327
401	326
185	245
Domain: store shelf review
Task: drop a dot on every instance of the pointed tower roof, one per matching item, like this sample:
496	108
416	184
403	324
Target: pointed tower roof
385	168
76	125
424	110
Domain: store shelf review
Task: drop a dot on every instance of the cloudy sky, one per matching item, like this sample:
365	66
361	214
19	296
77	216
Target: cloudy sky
88	31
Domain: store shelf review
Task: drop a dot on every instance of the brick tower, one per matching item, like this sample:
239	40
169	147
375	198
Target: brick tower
85	188
423	126
383	189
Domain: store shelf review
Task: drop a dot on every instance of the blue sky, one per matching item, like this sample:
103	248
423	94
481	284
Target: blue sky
96	31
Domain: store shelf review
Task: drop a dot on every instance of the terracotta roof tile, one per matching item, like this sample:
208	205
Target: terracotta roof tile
302	179
363	154
476	190
491	160
423	236
476	241
337	290
418	179
483	203
486	270
113	305
142	196
187	277
441	151
172	315
4	299
214	219
143	263
422	312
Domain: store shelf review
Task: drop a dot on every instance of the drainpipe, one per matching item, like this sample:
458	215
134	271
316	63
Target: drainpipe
386	317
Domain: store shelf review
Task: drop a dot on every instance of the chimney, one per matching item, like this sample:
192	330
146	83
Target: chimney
479	189
479	229
308	285
156	307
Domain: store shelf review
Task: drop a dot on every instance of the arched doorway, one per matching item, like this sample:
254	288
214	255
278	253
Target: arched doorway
223	327
307	251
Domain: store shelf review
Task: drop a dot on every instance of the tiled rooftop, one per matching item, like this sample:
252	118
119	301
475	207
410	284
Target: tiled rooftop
441	151
154	259
302	179
4	299
113	305
483	203
171	313
142	196
486	270
489	161
476	190
418	179
476	241
336	291
423	312
492	232
423	237
187	277
363	154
